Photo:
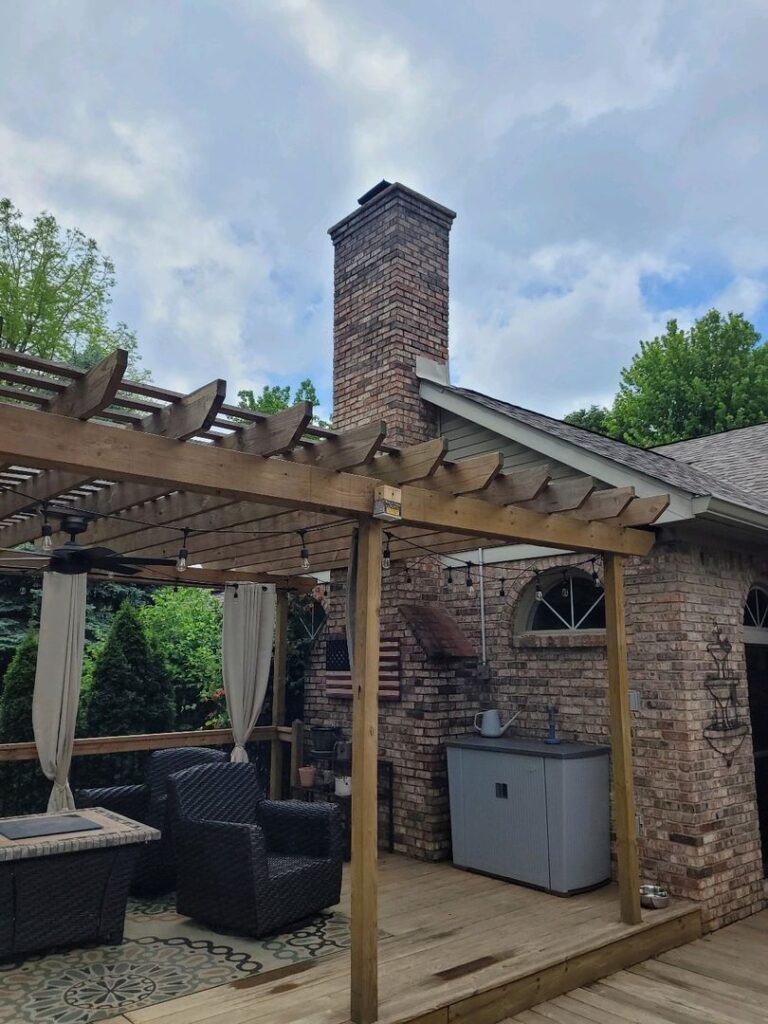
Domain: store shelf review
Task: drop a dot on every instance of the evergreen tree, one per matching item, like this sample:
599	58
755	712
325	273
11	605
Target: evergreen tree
16	701
130	690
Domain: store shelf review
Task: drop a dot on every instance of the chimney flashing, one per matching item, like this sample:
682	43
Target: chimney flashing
377	195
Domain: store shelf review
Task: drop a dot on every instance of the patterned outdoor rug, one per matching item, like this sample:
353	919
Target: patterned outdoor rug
163	956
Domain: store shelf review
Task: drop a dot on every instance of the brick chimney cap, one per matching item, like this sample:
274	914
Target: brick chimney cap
374	191
383	190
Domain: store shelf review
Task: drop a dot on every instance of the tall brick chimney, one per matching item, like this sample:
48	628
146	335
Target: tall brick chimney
390	306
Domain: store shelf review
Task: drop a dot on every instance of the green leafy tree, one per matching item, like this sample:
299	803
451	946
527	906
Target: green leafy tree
130	690
274	398
687	383
55	293
184	625
594	418
16	701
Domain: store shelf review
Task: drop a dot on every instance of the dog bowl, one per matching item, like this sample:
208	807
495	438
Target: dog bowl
654	897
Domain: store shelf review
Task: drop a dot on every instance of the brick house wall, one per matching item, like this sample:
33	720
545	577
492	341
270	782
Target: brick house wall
699	817
699	827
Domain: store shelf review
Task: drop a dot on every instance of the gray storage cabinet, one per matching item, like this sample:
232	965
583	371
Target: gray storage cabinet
530	811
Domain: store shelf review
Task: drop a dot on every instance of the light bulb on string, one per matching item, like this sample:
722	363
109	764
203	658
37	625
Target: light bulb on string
564	591
449	577
386	560
235	589
304	553
595	577
502	591
538	593
47	537
470	581
181	560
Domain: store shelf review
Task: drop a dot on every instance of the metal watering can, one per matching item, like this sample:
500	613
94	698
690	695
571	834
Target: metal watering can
490	722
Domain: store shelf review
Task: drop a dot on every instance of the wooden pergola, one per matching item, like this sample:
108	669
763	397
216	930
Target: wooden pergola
150	463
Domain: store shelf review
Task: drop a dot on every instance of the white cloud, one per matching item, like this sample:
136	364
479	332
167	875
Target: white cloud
583	146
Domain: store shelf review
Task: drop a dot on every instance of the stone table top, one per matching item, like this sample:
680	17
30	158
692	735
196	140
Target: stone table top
115	830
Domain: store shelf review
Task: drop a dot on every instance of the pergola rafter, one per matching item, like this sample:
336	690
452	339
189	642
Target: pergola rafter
153	462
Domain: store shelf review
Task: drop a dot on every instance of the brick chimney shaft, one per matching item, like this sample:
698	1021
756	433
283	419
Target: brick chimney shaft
390	306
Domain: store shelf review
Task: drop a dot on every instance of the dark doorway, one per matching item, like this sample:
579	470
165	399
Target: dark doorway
757	681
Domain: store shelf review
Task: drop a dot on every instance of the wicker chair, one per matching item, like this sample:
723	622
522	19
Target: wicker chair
155	870
246	864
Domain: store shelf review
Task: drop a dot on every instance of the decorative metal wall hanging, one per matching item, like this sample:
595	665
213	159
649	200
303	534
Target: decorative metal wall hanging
726	732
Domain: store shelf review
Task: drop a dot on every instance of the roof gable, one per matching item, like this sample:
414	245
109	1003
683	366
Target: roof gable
602	457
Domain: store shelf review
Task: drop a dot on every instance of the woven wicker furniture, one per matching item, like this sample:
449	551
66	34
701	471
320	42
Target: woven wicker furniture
155	871
247	864
68	889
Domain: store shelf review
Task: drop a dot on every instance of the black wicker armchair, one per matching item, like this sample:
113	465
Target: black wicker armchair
155	870
247	864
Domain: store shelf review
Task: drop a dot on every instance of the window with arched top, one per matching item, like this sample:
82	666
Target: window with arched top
565	601
756	615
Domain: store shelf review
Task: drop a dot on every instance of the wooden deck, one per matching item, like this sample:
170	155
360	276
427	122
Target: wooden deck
720	978
455	947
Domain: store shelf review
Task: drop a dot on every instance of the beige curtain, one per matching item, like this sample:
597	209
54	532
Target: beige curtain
57	680
246	653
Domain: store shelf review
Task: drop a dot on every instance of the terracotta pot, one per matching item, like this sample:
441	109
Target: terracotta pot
307	775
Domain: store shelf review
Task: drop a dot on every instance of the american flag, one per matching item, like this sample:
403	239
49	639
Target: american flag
338	678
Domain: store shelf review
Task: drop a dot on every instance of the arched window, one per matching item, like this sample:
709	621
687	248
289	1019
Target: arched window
756	615
566	601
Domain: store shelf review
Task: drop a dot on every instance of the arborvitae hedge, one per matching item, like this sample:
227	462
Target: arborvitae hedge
19	685
131	692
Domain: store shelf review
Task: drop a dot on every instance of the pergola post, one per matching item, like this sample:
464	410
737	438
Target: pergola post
621	742
279	668
364	925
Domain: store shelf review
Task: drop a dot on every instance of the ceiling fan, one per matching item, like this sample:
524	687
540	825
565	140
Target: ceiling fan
73	559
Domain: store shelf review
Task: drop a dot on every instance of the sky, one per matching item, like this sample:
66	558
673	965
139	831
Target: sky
606	161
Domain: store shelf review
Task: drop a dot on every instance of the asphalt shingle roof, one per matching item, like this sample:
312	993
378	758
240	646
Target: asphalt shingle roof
740	455
666	468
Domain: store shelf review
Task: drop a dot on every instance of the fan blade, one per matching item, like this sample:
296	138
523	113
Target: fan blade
141	560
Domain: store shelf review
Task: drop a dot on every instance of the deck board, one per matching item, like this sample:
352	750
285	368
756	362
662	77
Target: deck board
718	978
454	947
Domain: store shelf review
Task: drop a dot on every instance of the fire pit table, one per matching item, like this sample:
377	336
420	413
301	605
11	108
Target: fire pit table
64	878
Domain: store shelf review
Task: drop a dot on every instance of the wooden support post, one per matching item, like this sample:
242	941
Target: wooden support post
621	742
297	750
365	713
279	666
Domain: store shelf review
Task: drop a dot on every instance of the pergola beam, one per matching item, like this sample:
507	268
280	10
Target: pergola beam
39	439
180	421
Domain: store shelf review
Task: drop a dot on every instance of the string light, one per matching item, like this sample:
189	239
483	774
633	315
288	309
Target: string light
386	561
538	593
595	577
449	578
502	591
564	591
47	531
304	553
470	581
235	591
181	561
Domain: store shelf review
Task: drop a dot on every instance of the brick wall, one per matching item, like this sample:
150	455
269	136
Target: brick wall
436	702
390	306
699	821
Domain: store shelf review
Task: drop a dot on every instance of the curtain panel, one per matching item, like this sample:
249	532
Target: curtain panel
246	654
57	680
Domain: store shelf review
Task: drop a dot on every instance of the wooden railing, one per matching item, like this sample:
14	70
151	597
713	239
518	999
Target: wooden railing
95	746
